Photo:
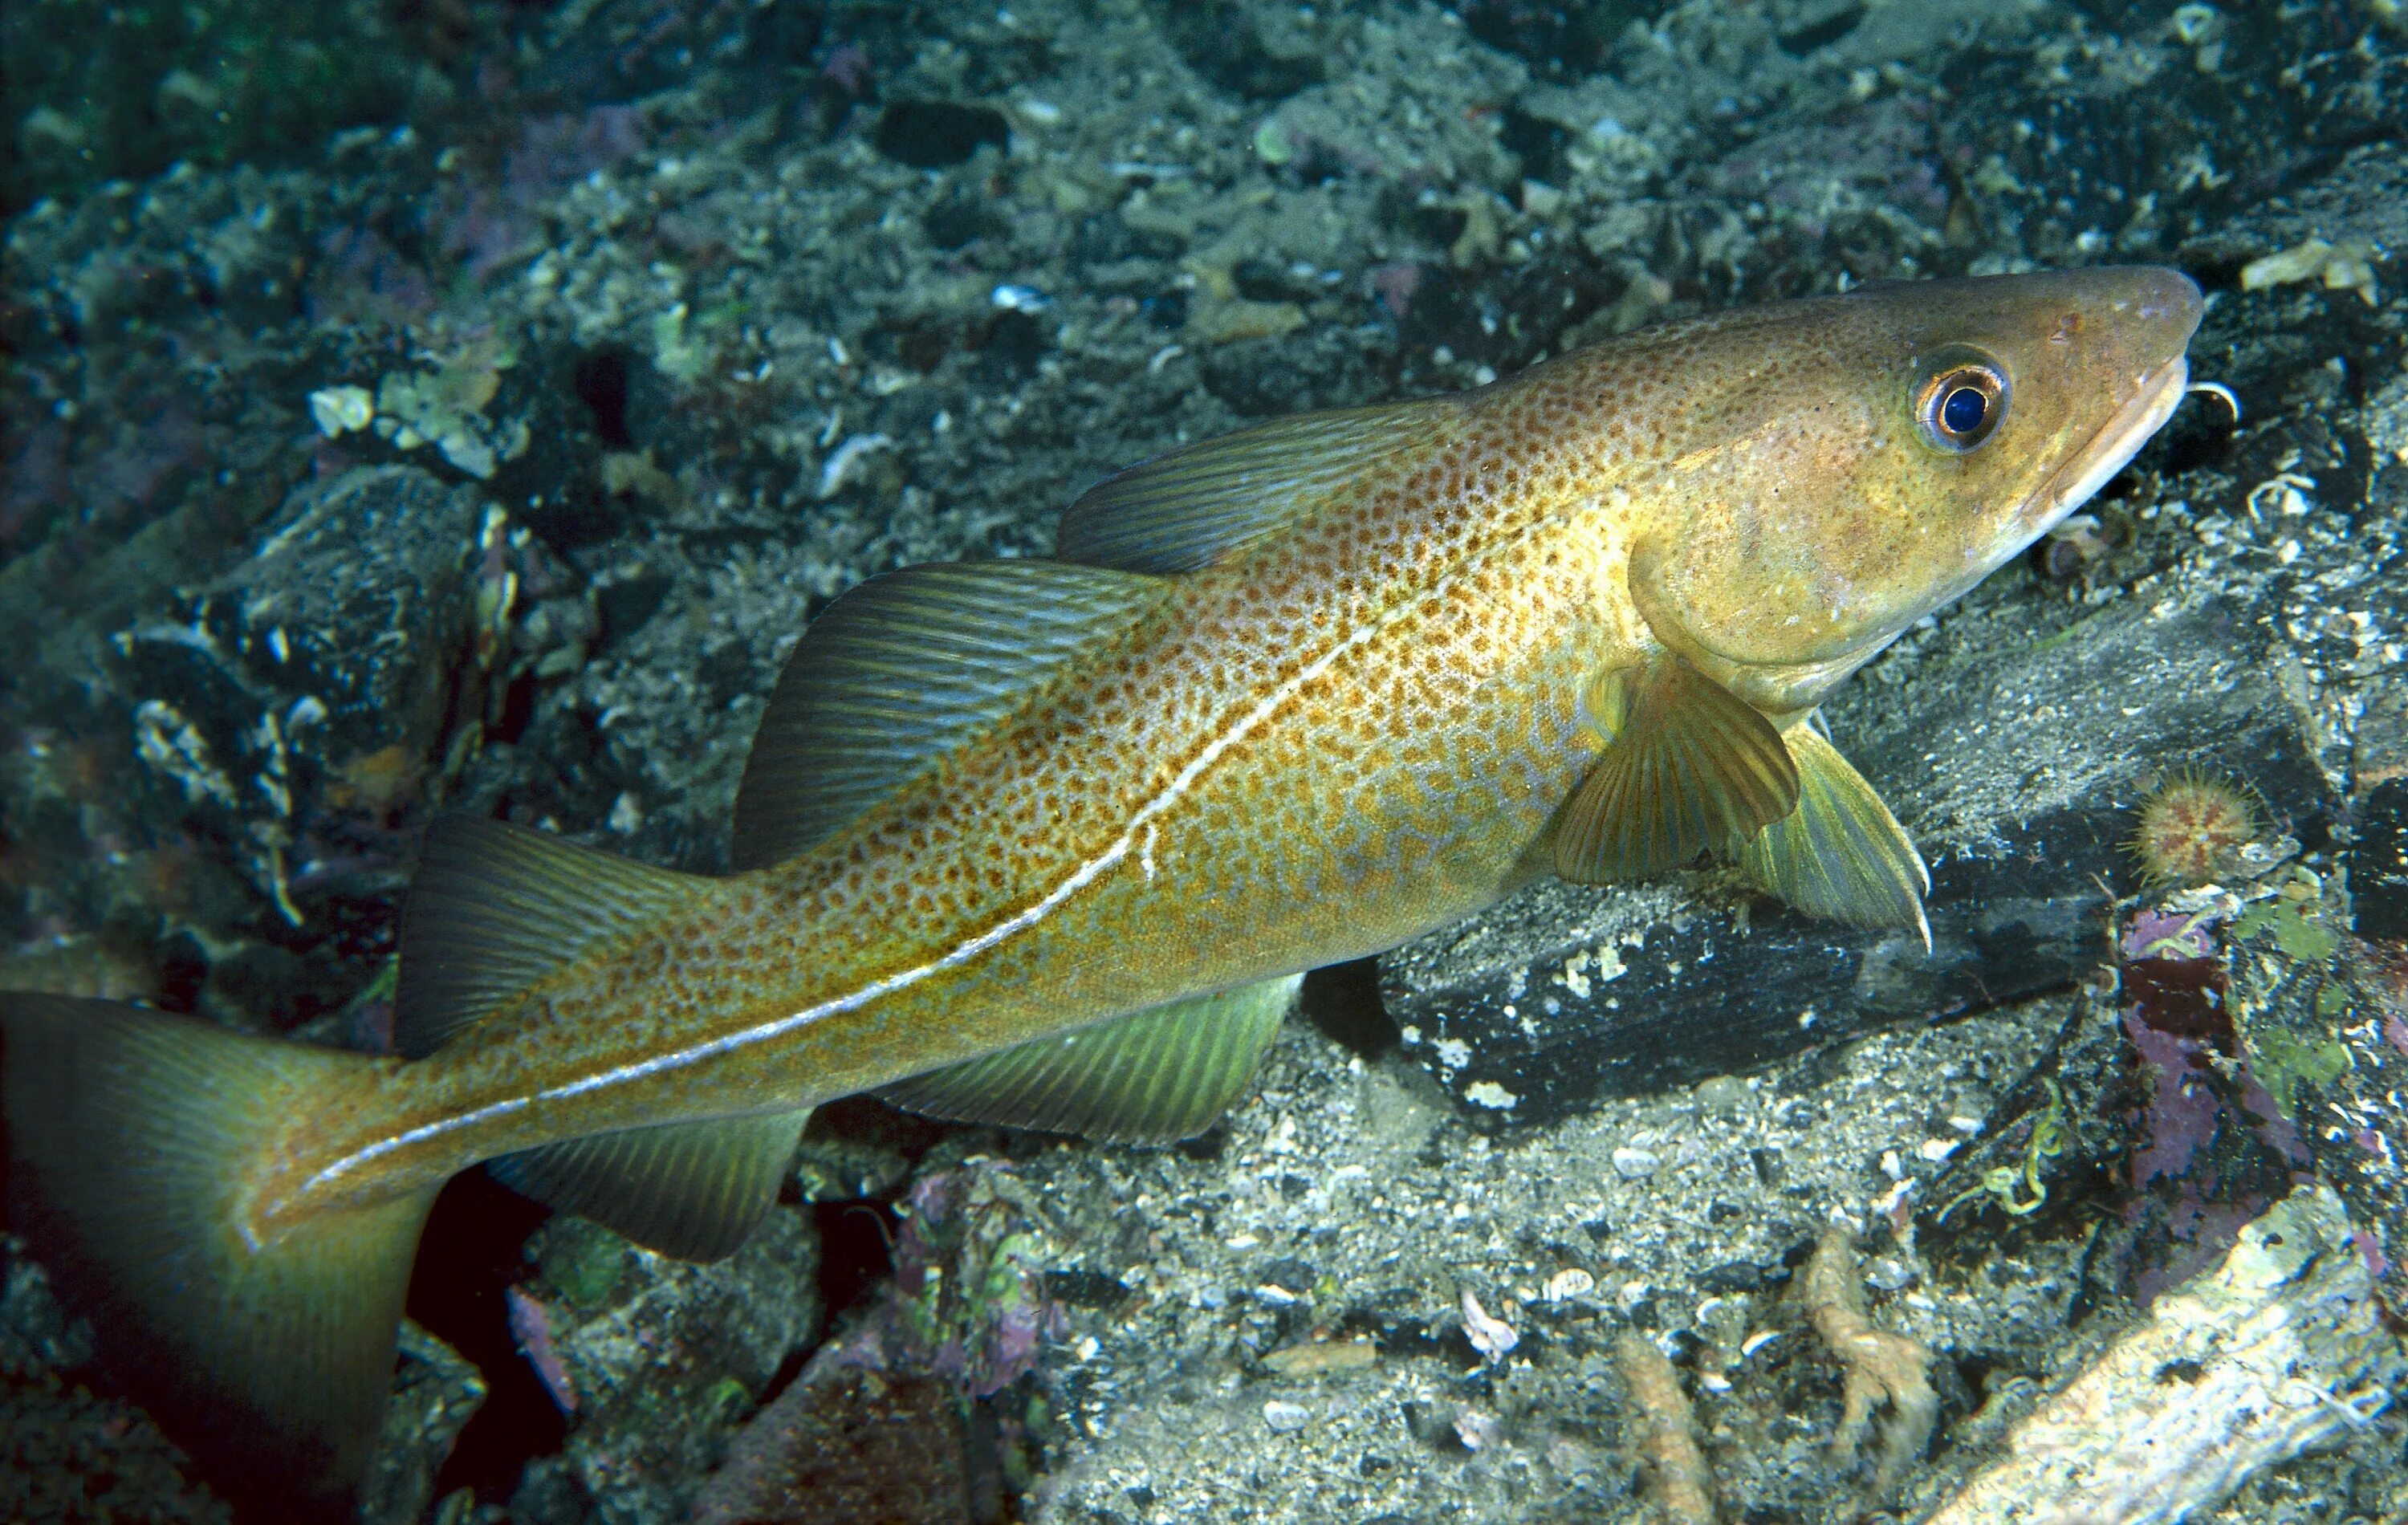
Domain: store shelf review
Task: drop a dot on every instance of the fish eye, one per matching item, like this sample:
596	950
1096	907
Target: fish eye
1961	402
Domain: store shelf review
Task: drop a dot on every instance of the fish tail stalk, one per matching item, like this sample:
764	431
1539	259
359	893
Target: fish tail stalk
134	1139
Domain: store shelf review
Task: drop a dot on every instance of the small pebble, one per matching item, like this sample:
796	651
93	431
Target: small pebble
1489	1335
1635	1164
1286	1418
1722	1096
1477	1431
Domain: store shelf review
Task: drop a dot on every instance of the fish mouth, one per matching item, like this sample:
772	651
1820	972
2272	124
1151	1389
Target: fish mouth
2087	469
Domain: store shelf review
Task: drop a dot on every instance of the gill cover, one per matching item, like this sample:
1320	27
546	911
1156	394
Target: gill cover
1883	452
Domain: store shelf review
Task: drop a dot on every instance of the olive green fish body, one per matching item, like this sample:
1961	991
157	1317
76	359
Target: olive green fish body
1323	749
1043	844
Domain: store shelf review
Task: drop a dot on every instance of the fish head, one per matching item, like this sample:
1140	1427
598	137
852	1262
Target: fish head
1848	464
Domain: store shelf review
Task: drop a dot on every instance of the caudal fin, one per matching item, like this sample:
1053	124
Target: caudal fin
132	1137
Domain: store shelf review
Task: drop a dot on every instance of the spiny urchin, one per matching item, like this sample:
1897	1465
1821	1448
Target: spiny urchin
2192	829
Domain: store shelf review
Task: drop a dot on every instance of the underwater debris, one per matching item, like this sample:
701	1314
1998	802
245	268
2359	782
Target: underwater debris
1491	1336
2346	266
969	1264
2020	1190
1679	1483
1322	1357
2281	1348
445	405
1880	1367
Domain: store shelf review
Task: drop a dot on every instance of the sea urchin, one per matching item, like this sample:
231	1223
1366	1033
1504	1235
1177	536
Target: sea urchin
2192	829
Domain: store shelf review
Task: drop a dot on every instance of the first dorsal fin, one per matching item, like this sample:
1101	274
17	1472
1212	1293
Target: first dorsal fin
1154	1076
904	668
1206	502
1689	766
692	1191
494	907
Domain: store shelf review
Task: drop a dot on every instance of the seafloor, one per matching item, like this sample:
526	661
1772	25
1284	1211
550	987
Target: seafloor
412	408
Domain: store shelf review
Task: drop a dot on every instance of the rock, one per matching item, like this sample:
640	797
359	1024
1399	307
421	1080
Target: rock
294	706
847	1446
2291	1310
435	1396
2017	776
661	1357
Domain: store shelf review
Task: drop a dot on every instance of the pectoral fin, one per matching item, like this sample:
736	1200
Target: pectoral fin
1841	853
1689	767
1154	1076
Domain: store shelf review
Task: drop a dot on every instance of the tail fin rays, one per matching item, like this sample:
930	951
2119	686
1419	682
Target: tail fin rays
132	1138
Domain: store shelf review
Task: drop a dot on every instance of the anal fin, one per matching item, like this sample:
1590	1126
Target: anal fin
1689	766
693	1191
1841	853
1154	1076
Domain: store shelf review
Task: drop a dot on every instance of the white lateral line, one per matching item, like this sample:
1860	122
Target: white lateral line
1140	824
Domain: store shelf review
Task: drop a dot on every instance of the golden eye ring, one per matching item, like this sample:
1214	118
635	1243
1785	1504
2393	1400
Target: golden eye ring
1961	403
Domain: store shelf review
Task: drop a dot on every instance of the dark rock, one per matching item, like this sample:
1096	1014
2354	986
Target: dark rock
1737	1276
1558	38
2378	859
932	135
660	1358
1265	52
1821	31
434	1396
1290	1274
295	707
2017	780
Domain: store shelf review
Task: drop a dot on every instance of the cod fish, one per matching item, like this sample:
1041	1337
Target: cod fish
1047	843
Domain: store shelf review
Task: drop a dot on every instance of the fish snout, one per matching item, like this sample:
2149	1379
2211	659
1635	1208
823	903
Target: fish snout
2169	294
2160	308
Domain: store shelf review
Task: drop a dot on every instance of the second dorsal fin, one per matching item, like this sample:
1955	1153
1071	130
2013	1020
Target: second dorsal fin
904	668
1206	502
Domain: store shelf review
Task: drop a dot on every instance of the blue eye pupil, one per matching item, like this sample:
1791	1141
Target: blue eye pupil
1962	410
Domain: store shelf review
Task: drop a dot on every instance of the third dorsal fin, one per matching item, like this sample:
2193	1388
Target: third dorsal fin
904	668
496	907
1206	502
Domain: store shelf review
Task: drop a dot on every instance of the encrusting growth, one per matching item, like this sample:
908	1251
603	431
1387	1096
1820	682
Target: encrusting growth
1678	1482
1881	1367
